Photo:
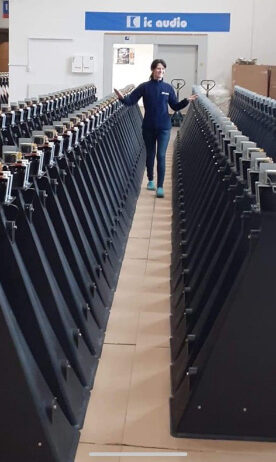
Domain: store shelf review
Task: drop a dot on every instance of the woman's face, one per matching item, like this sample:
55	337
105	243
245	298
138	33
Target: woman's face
158	72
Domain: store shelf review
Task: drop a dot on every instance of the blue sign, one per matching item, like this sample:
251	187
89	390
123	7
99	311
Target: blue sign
158	22
5	9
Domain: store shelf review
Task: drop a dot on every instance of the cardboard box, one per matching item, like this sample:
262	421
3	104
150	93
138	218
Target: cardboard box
272	84
4	56
254	77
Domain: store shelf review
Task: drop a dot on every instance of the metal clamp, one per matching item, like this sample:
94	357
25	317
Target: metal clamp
208	85
180	84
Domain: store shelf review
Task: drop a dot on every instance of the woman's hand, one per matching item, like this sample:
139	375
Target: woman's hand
119	94
192	97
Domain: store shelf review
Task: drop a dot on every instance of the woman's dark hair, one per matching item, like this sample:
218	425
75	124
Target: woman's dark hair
154	65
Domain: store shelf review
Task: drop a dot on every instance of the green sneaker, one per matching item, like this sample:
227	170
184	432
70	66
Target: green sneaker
151	186
160	192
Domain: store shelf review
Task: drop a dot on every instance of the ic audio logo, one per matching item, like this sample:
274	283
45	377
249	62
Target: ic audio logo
133	22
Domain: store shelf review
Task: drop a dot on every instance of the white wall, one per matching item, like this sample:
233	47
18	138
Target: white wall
253	34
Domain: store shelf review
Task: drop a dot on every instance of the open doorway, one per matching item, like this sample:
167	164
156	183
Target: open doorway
186	56
131	64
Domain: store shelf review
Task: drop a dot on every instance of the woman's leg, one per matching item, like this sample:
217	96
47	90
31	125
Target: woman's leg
150	143
163	138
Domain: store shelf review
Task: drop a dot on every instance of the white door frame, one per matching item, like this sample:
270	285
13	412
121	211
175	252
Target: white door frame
199	40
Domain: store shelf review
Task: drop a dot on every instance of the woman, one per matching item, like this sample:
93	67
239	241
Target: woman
156	95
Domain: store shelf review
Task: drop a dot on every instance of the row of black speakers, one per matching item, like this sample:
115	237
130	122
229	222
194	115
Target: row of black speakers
223	289
67	203
255	115
20	119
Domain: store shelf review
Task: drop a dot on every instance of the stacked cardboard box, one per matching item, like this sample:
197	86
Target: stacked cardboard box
4	56
254	77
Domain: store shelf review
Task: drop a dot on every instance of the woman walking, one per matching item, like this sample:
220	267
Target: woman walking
157	95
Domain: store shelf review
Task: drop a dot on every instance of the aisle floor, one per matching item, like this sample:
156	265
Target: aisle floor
129	405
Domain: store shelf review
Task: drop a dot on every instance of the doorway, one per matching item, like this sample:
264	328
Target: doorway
131	64
186	56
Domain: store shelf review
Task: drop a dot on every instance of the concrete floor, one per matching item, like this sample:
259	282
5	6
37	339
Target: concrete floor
129	406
